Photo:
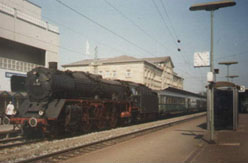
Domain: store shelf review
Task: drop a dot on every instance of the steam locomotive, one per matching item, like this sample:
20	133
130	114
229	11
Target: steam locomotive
69	101
62	102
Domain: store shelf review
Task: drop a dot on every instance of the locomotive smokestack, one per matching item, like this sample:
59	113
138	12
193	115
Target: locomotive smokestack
53	65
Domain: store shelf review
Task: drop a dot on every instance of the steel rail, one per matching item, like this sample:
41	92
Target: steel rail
24	142
103	143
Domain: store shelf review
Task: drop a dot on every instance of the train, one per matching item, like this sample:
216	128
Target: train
176	101
61	102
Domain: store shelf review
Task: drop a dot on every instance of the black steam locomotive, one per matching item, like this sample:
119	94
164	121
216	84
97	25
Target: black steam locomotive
77	101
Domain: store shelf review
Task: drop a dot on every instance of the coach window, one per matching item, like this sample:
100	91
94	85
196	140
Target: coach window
165	98
168	99
160	99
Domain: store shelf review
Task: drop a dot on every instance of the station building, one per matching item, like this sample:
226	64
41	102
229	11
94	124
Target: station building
156	73
26	42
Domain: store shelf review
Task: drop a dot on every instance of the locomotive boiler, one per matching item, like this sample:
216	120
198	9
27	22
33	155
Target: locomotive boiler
43	84
67	101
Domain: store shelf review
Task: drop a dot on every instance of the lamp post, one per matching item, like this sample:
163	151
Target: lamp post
228	64
232	77
211	6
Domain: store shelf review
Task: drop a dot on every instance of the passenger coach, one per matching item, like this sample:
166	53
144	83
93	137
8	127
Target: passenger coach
175	101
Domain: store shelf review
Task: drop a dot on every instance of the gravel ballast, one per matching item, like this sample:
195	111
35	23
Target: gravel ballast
42	148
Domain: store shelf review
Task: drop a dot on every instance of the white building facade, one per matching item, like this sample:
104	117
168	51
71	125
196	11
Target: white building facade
156	73
26	41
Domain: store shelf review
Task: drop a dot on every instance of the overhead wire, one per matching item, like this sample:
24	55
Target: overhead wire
163	20
166	13
135	24
109	30
103	27
96	22
233	55
167	27
80	34
176	37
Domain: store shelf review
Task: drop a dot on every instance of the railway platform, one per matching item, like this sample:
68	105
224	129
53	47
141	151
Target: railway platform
230	146
187	142
8	130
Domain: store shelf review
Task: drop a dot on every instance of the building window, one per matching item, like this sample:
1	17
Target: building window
21	66
107	74
29	66
18	68
5	63
9	64
13	65
128	73
114	73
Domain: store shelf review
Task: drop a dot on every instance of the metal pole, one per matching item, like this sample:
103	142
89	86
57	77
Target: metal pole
227	76
212	88
95	62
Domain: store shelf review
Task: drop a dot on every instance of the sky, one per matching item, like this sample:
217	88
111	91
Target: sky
152	28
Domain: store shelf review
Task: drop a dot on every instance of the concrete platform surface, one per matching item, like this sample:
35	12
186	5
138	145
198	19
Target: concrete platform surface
187	142
6	128
231	146
173	144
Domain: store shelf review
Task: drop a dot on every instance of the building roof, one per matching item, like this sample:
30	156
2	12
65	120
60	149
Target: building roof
183	92
155	60
119	59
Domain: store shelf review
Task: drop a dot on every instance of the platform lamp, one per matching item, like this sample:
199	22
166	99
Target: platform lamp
212	6
228	64
232	77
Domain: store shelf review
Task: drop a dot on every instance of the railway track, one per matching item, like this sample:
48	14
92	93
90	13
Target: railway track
16	142
2	141
86	148
9	133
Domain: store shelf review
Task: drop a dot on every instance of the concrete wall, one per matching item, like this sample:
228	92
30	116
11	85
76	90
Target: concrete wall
152	77
25	39
21	52
13	27
29	34
24	6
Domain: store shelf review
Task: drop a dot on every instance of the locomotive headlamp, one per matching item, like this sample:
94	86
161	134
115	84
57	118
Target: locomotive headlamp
41	112
32	122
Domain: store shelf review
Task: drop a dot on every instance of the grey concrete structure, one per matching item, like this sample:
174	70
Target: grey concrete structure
26	41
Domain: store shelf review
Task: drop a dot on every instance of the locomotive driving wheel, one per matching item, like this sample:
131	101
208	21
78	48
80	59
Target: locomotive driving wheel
113	120
100	124
99	115
86	123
